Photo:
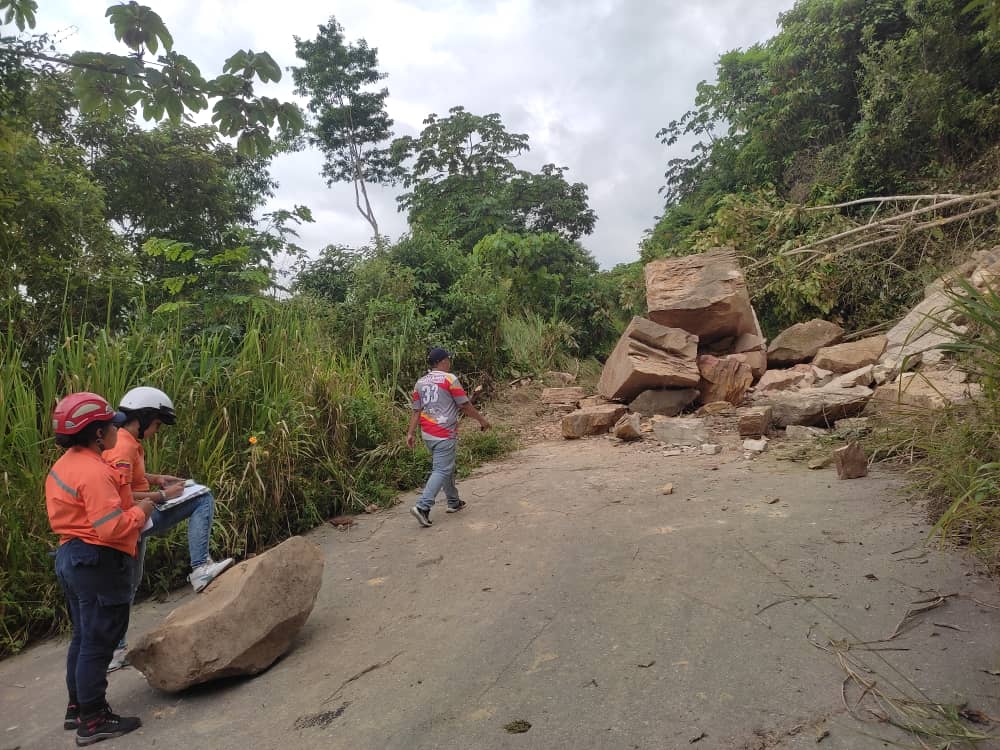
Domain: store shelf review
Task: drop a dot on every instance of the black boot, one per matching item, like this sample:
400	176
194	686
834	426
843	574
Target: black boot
104	725
72	720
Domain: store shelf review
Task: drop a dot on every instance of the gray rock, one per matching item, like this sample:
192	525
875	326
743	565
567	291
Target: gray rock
816	406
800	342
680	430
666	403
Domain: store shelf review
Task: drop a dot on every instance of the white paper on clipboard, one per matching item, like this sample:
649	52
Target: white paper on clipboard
191	490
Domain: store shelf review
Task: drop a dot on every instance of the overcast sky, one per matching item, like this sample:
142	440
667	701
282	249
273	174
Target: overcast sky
590	81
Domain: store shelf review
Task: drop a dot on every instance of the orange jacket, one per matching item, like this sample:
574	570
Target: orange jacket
129	458
88	499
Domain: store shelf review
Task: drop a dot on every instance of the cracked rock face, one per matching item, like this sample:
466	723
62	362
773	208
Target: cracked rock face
239	625
647	356
704	294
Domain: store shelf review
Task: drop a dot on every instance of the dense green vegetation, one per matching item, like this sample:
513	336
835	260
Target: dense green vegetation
140	254
850	99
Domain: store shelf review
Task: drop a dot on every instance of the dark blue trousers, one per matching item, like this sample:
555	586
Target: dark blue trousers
97	582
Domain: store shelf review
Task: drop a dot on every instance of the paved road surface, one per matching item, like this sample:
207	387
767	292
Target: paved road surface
574	596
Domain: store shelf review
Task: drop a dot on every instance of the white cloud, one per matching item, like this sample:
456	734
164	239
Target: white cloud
590	81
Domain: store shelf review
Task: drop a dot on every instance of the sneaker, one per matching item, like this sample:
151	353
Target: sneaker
119	660
204	574
104	725
423	516
456	507
72	720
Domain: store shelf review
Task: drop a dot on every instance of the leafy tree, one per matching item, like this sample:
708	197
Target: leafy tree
331	275
849	98
167	86
59	261
351	120
462	183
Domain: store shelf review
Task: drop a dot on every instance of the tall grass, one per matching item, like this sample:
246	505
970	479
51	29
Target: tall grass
286	429
534	344
955	453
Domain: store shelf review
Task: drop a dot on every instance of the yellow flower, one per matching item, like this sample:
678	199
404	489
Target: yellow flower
253	440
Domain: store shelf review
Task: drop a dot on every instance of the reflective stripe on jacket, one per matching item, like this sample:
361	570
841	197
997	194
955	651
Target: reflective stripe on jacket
88	499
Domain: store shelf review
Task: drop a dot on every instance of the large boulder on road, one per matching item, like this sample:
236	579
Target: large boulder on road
815	406
239	625
704	294
649	355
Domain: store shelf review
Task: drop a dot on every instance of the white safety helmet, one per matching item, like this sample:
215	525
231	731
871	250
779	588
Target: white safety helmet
150	402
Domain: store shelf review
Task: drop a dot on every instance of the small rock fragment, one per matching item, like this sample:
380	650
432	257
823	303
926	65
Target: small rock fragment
628	427
802	432
680	430
755	446
755	422
711	449
667	489
851	462
820	462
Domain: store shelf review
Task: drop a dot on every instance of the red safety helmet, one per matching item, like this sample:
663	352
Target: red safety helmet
77	410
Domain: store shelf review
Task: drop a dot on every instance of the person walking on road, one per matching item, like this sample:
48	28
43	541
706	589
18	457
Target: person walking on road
438	398
90	507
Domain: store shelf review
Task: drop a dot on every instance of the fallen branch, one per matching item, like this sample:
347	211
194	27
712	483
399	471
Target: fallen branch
888	199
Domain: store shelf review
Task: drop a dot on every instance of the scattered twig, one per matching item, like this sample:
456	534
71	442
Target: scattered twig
646	666
916	609
803	597
950	627
361	674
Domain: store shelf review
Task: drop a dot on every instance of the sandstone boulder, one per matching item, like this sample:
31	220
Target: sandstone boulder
591	420
628	427
816	406
239	625
680	430
862	376
723	379
785	380
756	361
916	337
851	462
563	398
755	421
649	355
844	358
705	294
667	403
800	342
925	390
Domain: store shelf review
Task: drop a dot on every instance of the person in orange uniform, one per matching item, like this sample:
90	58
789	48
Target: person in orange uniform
90	507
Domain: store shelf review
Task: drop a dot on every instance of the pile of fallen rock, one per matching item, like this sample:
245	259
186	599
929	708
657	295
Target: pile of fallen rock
701	349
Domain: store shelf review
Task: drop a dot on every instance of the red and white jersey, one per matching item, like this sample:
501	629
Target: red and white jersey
437	396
